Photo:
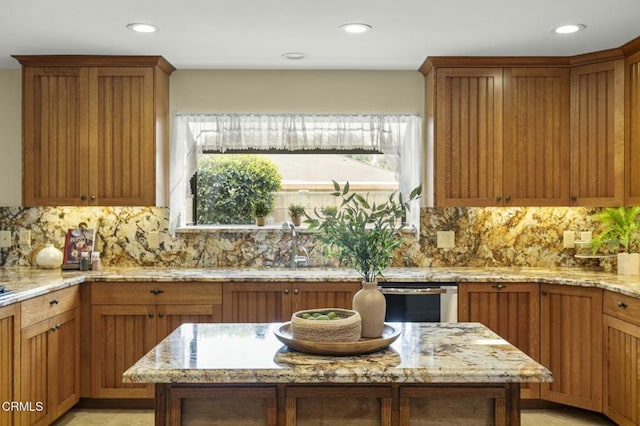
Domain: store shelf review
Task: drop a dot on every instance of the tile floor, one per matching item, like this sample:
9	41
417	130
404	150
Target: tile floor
89	417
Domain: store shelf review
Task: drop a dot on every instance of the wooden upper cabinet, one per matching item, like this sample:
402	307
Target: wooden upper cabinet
597	134
95	130
536	137
468	136
632	127
55	135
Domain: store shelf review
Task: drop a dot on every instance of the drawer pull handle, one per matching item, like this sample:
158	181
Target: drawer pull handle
622	305
156	291
160	315
53	302
499	286
150	314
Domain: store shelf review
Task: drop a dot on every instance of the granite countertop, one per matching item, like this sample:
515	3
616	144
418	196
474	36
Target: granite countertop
30	282
424	353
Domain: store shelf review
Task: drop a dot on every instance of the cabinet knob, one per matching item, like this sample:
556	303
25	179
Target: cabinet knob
55	327
150	314
622	305
53	302
507	198
160	314
544	292
574	198
498	198
156	291
83	197
499	286
93	197
296	291
286	291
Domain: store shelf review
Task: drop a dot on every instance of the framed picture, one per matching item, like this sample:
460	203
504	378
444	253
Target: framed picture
78	241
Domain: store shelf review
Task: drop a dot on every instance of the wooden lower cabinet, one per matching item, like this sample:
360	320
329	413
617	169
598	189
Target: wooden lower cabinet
512	310
9	361
571	345
381	404
50	368
275	302
123	332
621	353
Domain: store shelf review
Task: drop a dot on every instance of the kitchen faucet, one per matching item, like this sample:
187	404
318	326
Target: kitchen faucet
296	259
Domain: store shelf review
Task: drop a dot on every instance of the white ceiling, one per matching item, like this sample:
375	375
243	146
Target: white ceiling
252	34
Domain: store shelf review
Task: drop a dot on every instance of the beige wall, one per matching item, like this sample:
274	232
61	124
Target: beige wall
237	91
297	91
10	137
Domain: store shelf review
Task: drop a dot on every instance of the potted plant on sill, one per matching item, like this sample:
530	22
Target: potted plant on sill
366	235
296	211
620	234
261	210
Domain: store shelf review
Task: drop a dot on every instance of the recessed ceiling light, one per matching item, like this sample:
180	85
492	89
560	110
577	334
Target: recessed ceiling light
356	28
569	29
294	55
142	28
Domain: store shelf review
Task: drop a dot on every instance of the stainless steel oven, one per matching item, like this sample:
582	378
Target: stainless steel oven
421	302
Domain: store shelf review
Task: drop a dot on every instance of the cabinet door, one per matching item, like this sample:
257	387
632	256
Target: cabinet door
511	310
571	345
256	302
171	317
632	129
122	150
621	371
9	360
323	295
597	134
66	362
536	137
36	373
55	166
468	137
121	335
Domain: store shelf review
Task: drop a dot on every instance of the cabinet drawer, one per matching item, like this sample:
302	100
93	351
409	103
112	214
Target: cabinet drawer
49	305
622	307
146	293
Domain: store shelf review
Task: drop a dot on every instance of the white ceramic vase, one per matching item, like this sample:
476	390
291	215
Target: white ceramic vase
628	263
49	257
372	307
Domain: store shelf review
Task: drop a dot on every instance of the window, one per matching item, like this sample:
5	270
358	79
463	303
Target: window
376	153
305	180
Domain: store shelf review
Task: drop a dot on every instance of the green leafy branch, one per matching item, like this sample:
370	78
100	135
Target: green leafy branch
364	234
620	230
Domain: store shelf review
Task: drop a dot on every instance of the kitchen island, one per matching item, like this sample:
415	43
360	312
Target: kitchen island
240	374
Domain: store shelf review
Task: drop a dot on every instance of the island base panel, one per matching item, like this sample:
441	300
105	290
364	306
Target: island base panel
347	405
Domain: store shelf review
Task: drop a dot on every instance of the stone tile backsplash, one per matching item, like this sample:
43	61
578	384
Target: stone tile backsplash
483	237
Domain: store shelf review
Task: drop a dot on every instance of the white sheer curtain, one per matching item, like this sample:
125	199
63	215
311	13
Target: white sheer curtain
399	137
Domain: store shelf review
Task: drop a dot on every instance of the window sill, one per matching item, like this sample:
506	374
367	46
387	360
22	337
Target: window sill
214	229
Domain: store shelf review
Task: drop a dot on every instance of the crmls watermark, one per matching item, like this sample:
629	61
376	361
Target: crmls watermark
22	406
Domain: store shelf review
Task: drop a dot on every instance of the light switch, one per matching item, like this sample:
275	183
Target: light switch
24	238
569	239
5	239
153	238
446	239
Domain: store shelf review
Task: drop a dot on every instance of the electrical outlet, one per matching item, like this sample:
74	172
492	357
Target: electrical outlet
24	238
5	239
586	236
153	238
568	239
446	239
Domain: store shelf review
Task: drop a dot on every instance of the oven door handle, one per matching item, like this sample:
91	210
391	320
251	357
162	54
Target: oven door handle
413	291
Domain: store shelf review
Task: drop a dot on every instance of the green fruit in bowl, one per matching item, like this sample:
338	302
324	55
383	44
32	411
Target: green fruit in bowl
332	315
323	318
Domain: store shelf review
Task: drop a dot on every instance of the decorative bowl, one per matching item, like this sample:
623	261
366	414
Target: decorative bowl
326	325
